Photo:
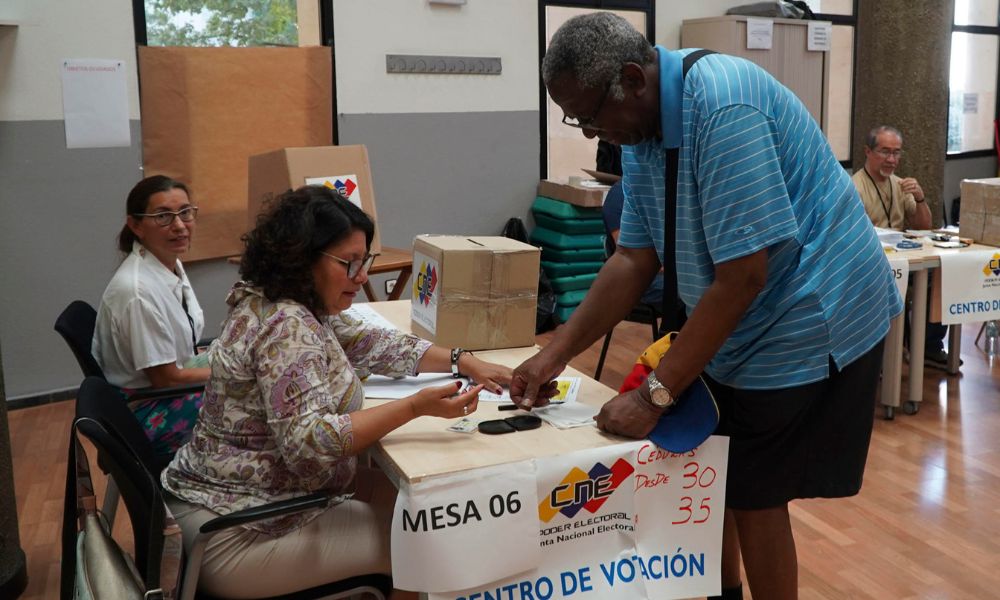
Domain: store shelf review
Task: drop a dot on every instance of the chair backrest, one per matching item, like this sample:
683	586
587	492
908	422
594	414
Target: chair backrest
124	453
76	325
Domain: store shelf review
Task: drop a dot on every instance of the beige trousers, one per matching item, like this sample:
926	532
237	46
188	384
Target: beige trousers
348	539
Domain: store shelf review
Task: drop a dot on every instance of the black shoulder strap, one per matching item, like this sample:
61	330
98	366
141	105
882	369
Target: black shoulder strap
674	314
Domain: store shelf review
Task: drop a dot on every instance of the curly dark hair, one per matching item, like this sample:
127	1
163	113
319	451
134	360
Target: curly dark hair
280	251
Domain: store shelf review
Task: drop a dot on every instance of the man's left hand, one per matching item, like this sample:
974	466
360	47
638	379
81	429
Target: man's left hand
630	414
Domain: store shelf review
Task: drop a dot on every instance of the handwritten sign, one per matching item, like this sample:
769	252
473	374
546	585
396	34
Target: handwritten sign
629	521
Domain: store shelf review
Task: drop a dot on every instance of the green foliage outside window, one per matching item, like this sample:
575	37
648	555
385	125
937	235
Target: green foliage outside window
221	23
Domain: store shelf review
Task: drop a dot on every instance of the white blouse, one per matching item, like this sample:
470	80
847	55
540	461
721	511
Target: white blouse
142	323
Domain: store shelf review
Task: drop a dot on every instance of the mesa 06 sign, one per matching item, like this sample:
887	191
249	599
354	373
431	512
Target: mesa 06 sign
625	521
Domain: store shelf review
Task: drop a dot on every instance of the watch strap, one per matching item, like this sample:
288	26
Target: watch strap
455	354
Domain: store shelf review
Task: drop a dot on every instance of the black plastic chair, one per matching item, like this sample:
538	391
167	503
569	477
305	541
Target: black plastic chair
76	325
132	467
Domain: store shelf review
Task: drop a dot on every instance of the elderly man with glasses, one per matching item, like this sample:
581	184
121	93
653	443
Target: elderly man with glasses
773	256
891	202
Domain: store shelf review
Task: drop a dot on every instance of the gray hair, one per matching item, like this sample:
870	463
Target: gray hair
872	139
593	48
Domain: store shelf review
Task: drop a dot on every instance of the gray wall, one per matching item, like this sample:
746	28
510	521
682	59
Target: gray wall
452	173
60	211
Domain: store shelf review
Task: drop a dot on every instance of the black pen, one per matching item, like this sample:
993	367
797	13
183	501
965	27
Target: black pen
515	407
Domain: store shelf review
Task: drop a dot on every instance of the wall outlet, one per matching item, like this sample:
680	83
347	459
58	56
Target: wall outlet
390	284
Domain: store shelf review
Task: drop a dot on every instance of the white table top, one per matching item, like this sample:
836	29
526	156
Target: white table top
423	447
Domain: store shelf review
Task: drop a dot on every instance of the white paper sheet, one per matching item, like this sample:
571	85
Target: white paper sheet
387	388
95	103
568	389
759	34
567	415
367	314
819	36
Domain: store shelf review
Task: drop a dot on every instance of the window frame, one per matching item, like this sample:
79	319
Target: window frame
993	30
645	6
851	21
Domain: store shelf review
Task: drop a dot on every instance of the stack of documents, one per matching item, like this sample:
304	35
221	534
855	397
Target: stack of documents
566	415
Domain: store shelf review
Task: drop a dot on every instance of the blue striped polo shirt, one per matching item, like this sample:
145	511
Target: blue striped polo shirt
756	172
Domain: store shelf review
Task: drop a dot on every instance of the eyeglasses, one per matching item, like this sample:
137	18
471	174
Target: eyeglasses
886	153
355	266
587	123
165	218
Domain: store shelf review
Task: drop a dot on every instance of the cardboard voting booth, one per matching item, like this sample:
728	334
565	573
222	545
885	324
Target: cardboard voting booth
979	217
342	167
474	292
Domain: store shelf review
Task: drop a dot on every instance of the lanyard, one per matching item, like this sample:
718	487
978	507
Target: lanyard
184	304
888	211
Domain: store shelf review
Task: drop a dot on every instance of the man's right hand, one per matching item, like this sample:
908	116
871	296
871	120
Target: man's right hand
533	383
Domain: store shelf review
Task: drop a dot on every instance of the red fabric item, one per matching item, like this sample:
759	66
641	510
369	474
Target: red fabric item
646	362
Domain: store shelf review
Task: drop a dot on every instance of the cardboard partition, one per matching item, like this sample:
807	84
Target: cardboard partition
205	111
477	292
587	196
979	216
342	167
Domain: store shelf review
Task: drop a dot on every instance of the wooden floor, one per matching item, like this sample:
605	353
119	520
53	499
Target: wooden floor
925	526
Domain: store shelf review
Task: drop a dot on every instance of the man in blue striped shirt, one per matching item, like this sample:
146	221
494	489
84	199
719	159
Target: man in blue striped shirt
787	290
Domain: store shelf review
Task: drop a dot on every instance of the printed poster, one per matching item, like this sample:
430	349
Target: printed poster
426	292
629	521
970	287
346	184
95	103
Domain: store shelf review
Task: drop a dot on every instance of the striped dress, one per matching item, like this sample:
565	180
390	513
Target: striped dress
756	172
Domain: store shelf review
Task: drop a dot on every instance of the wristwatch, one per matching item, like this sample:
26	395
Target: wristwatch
659	394
455	353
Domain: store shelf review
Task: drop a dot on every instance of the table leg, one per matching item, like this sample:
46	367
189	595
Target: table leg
404	276
954	348
367	286
918	331
892	362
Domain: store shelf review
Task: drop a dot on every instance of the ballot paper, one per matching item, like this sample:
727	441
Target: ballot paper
568	389
366	314
566	415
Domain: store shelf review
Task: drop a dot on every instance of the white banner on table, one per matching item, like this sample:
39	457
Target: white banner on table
970	287
900	273
456	531
629	521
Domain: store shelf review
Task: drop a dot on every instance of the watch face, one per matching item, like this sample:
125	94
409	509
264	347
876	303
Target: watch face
660	397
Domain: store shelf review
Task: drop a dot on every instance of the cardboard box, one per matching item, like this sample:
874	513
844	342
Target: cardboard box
590	196
344	167
476	292
979	216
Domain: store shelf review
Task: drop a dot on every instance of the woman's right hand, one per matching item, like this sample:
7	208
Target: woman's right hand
444	401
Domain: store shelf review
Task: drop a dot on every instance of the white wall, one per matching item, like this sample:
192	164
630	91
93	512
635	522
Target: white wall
671	13
366	31
49	31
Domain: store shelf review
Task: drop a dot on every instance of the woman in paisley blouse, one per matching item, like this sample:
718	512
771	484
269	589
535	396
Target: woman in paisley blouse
282	411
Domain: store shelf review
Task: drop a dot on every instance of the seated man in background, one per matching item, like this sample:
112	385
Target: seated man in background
893	202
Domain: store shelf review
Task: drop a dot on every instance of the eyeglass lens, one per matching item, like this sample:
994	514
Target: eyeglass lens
167	217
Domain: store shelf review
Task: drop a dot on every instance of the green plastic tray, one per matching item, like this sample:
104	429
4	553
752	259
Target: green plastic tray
560	269
563	210
570	298
568	256
573	282
570	226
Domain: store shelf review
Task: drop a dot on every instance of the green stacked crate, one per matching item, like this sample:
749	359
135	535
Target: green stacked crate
572	242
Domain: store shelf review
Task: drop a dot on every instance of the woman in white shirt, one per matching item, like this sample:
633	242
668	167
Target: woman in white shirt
149	320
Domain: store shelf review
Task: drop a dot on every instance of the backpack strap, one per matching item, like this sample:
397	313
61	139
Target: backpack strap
673	313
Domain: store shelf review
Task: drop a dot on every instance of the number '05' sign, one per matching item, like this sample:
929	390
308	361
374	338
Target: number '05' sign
442	525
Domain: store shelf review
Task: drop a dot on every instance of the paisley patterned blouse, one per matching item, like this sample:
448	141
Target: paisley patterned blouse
276	419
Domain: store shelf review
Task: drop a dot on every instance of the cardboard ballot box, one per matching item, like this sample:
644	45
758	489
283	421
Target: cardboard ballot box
474	292
979	216
342	167
587	193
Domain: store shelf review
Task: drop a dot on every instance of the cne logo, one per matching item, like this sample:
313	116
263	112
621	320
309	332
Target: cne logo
346	187
425	283
992	266
579	490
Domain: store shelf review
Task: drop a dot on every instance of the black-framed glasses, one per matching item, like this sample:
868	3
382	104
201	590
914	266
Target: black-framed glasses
164	218
354	266
588	122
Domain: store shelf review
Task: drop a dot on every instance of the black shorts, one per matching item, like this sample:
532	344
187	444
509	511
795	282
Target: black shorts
809	441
